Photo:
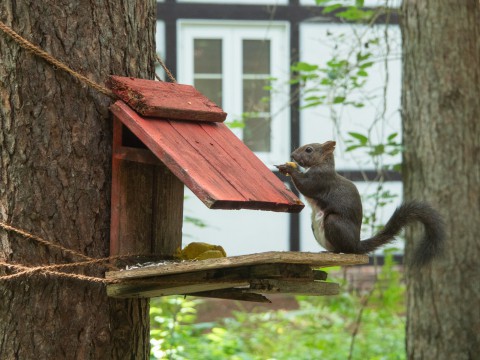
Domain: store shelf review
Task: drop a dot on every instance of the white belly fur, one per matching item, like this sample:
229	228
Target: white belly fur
317	225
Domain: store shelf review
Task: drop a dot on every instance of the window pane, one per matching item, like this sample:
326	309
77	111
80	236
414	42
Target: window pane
256	67
256	56
256	134
208	56
211	88
255	98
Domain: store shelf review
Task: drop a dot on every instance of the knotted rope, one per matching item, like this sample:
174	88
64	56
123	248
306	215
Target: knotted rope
50	59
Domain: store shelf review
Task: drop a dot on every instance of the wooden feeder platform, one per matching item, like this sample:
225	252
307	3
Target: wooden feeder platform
246	277
166	136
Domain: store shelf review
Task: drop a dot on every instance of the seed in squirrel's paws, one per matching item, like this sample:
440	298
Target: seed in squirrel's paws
292	164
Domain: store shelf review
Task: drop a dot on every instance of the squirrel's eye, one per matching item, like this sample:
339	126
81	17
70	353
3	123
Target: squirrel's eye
309	150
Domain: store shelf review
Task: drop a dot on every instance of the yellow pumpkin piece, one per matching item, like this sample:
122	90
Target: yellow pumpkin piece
211	254
200	251
291	164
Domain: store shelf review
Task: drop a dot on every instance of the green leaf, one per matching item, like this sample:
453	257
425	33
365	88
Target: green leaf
236	124
354	14
326	81
362	138
334	63
362	73
377	150
303	66
339	99
392	136
366	65
312	104
312	98
353	147
195	221
363	57
397	167
330	8
394	152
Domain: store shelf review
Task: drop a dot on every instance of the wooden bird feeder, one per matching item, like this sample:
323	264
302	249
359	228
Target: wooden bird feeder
168	135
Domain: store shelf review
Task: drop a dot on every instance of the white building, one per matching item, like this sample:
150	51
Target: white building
230	50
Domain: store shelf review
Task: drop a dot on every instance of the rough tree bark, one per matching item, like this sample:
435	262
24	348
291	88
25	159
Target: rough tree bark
55	155
441	118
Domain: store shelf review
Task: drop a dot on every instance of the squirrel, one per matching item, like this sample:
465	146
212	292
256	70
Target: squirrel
337	208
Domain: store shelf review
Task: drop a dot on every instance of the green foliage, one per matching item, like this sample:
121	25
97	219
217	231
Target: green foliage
378	152
390	147
353	12
322	327
172	327
195	221
339	81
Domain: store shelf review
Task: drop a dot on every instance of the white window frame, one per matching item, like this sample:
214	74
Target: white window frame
232	33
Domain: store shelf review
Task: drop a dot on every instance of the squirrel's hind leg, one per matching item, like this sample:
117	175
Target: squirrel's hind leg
341	234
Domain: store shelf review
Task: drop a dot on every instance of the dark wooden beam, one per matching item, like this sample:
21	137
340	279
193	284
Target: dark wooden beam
172	11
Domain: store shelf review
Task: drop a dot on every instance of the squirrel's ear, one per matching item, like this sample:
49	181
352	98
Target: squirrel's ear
329	146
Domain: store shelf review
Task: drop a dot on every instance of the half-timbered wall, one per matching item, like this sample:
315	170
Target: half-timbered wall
291	31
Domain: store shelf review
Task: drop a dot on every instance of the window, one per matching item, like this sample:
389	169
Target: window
256	99
207	68
234	64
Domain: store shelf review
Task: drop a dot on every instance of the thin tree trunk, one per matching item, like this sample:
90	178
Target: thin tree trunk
55	161
441	119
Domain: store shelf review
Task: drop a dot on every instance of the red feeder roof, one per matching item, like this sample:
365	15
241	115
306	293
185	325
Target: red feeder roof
209	159
165	100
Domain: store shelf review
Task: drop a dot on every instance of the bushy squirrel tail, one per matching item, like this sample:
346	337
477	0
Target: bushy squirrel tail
432	242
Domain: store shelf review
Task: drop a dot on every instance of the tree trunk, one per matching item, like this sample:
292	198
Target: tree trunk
55	169
441	114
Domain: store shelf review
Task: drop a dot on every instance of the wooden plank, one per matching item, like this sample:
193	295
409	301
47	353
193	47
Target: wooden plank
131	213
274	286
237	170
167	217
233	294
143	156
115	206
211	173
146	206
245	160
248	272
148	290
230	289
300	272
166	100
316	260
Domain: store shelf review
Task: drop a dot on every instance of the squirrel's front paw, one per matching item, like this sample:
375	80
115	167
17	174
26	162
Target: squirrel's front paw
287	168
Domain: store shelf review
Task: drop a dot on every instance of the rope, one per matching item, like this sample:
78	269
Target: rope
47	57
25	271
57	63
43	241
167	71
